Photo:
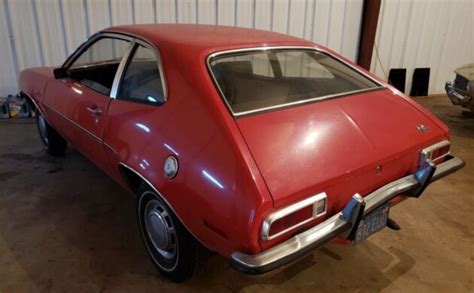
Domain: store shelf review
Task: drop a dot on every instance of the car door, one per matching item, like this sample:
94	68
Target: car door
79	103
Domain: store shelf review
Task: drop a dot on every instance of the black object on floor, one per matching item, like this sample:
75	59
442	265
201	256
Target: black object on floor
393	225
397	77
420	82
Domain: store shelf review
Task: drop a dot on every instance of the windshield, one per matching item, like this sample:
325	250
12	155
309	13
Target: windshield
252	81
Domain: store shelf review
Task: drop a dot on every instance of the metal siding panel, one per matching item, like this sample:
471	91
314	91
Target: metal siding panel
186	11
422	33
424	44
322	12
26	39
296	21
280	16
122	12
99	16
144	11
47	31
336	25
351	29
308	19
430	48
9	67
245	13
51	32
206	11
386	28
398	33
452	56
413	40
74	24
226	12
166	11
263	14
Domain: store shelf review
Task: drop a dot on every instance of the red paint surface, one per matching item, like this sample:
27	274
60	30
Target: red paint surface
234	172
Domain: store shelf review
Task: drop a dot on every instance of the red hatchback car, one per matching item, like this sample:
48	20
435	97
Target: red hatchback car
256	145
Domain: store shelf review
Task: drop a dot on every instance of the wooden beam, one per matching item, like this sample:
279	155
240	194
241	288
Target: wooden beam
370	17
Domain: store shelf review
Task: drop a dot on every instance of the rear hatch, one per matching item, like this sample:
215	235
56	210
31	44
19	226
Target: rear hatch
334	145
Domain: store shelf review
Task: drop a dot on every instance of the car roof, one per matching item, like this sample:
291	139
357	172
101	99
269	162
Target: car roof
207	37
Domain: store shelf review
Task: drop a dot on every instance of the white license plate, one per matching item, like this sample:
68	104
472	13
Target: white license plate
372	223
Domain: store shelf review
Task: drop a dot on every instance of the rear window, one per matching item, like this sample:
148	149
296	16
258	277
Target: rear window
252	81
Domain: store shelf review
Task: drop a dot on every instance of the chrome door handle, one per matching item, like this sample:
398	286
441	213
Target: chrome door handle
95	111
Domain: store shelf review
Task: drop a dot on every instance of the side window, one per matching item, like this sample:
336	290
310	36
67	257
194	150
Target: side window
142	81
97	65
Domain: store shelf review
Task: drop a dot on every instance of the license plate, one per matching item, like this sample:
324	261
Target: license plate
372	223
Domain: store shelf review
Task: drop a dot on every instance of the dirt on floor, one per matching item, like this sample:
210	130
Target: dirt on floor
65	226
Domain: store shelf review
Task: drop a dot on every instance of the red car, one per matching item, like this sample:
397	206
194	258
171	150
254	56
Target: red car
256	145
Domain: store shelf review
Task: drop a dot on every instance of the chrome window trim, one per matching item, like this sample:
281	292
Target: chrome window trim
270	219
134	40
320	50
138	40
84	46
120	69
164	199
126	61
160	65
89	42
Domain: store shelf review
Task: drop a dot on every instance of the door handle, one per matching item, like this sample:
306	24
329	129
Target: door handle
94	110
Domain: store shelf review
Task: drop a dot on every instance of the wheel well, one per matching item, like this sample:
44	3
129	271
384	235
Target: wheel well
29	101
131	178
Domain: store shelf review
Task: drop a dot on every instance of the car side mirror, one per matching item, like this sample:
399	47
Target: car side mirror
60	72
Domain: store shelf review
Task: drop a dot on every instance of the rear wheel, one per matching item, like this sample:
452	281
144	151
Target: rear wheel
173	250
53	143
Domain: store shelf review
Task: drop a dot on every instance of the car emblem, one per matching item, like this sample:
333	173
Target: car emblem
422	128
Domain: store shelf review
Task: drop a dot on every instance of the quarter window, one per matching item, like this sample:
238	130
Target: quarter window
142	81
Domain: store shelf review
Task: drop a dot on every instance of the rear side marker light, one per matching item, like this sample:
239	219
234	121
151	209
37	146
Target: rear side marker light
294	216
291	220
438	155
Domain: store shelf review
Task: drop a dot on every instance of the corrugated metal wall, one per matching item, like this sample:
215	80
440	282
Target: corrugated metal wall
44	32
438	34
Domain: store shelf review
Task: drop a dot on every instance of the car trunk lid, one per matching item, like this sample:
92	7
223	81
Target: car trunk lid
300	149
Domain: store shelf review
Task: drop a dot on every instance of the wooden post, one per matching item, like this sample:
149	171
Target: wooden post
370	17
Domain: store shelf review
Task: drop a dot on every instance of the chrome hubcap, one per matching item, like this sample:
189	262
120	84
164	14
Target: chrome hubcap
42	128
160	229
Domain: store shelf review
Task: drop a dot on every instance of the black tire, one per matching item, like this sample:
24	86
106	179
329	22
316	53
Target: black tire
181	256
53	143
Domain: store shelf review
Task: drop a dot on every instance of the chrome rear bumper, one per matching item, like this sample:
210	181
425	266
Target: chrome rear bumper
342	223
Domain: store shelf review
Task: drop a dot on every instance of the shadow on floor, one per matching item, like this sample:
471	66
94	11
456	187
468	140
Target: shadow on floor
67	225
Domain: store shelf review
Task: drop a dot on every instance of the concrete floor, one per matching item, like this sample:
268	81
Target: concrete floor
65	226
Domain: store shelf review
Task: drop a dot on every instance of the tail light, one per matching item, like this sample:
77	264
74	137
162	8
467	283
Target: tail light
294	216
435	153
